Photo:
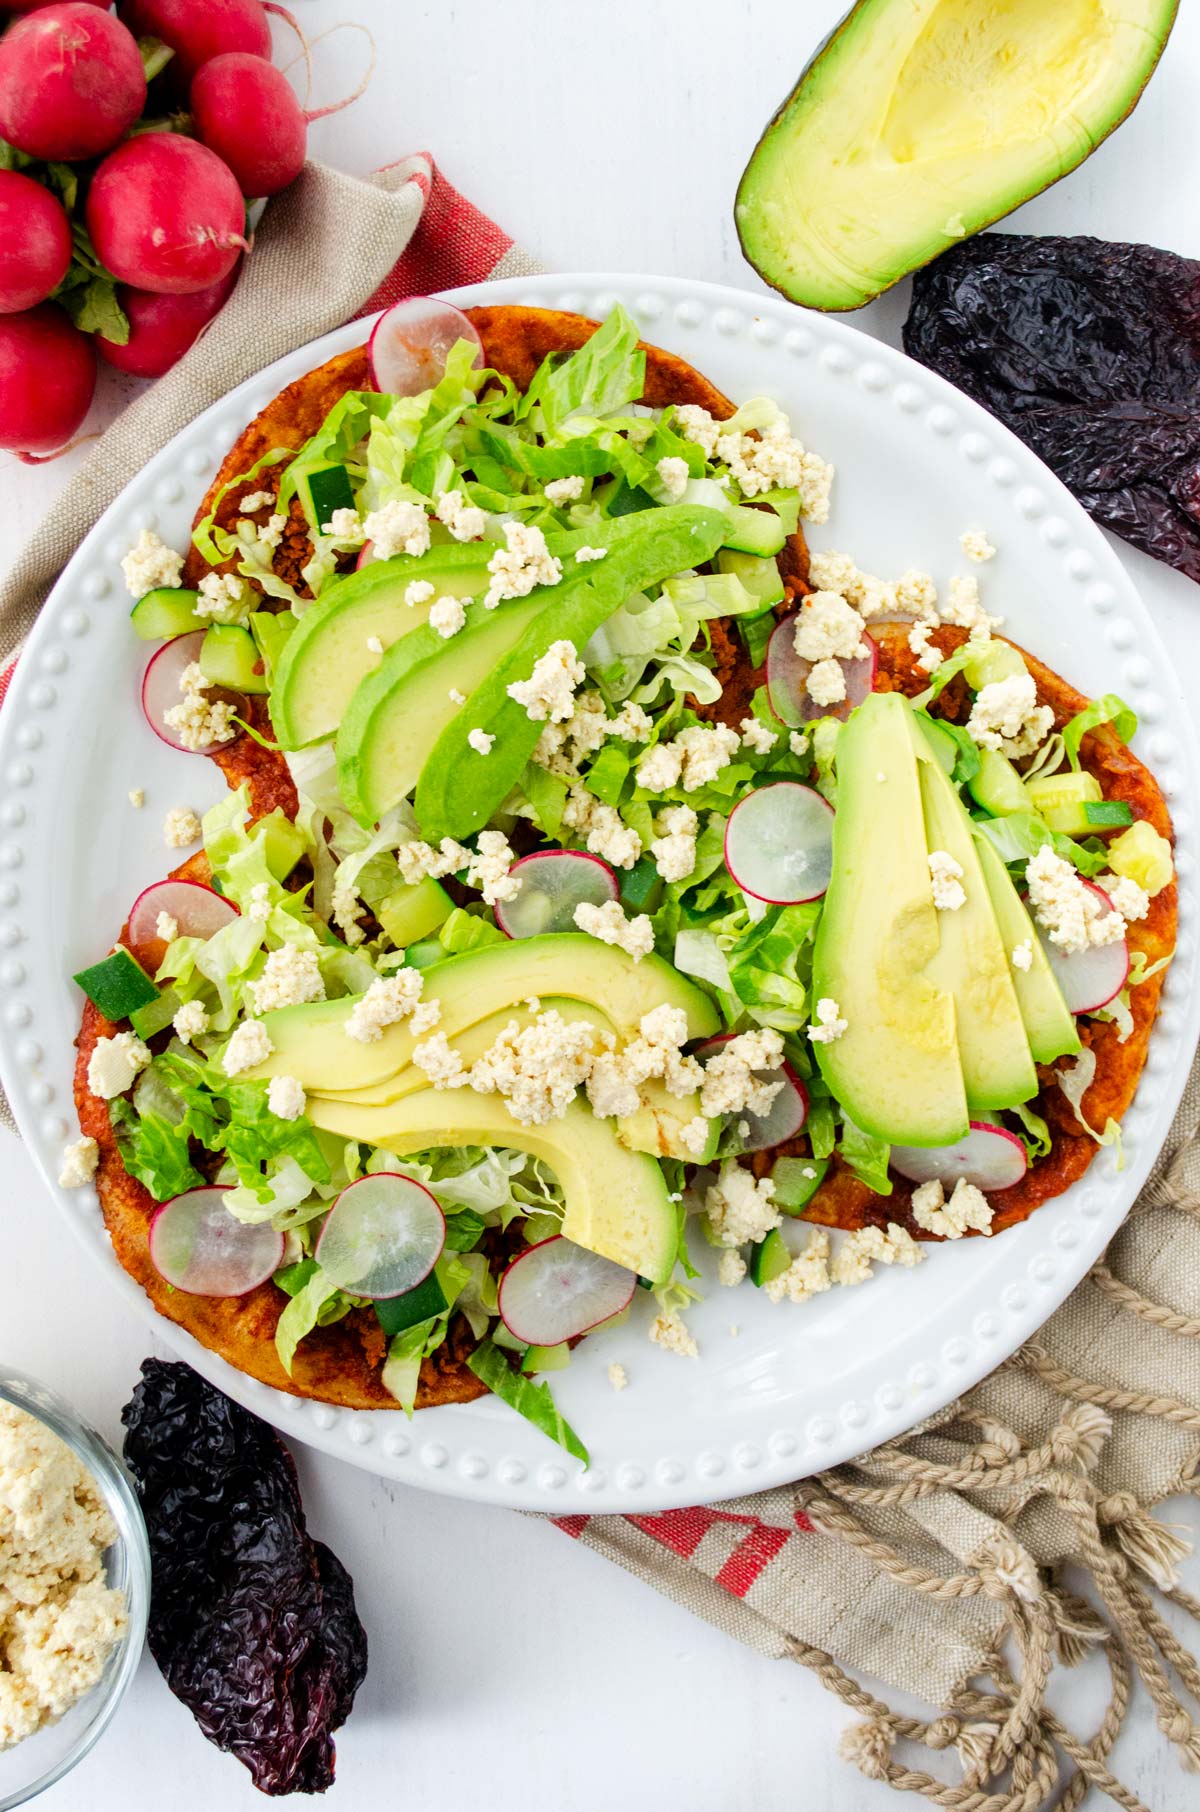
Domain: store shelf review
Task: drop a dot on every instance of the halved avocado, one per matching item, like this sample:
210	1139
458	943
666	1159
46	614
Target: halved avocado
920	121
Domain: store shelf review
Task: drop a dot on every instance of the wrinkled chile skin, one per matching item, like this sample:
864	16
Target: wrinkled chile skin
1089	349
252	1623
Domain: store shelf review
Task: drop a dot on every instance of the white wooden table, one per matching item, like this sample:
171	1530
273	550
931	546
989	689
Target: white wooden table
508	1666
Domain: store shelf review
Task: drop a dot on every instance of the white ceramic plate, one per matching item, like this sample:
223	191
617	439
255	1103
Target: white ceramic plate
779	1390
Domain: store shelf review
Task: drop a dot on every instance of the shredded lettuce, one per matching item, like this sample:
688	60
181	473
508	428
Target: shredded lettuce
316	1304
205	534
606	374
866	1156
770	965
1075	1084
1019	835
230	1114
154	1150
1034	1134
533	1401
1107	710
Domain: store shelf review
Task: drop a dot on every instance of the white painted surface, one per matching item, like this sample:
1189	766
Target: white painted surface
507	1663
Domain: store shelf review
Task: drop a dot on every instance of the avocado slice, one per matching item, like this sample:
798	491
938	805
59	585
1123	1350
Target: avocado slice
616	1201
1049	1026
971	961
896	1068
311	1044
327	654
459	788
921	121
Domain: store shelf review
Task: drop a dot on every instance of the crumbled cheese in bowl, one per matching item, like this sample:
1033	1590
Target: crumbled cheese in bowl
59	1618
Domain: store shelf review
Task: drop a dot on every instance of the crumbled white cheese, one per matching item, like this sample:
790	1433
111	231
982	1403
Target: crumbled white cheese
655	1053
774	459
706	749
258	905
481	740
456	697
603	828
852	1262
968	1209
525	561
79	1163
489	866
965	610
59	1618
673	473
397	528
731	1269
945	875
632	723
198	720
694	1136
561	491
808	1273
166	927
660	767
346	909
674	849
697	425
266	535
1130	900
137	797
797	742
1022	954
115	1064
442	1064
758	737
671	1332
975	545
286	1098
916	591
1072	915
465	521
344	525
618	1377
374	645
290	977
418	591
583	555
388	999
1007	717
827	628
150	565
608	923
418	860
549	692
830	1025
928	655
536	1068
425	1016
448	615
826	682
224	598
249	1046
733	1083
255	500
740	1206
191	1021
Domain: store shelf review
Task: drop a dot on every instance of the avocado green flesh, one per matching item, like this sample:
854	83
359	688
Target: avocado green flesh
311	1042
971	961
460	788
920	121
616	1201
895	1070
327	654
1049	1027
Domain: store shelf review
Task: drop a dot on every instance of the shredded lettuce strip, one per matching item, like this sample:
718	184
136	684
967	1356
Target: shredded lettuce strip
1075	1084
1110	709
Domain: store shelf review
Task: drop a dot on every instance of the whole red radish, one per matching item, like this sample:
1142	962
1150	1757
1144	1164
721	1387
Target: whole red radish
47	376
71	82
37	6
199	29
35	242
246	111
166	214
162	328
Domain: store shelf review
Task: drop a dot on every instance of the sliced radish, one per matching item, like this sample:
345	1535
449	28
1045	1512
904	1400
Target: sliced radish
779	843
553	883
198	911
990	1157
557	1290
409	345
1089	978
366	554
787	679
200	1248
787	1113
383	1236
161	690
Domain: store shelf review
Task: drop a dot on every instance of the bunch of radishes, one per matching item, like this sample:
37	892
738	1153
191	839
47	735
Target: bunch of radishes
121	225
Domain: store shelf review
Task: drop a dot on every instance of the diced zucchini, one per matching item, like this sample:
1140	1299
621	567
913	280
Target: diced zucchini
399	1312
283	843
770	1258
640	885
1060	800
271	629
229	657
546	1358
796	1182
1141	855
1108	814
166	612
759	576
753	531
410	913
323	490
998	788
786	505
118	986
994	661
625	499
156	1015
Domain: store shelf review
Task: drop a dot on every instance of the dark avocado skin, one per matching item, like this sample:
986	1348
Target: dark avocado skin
777	122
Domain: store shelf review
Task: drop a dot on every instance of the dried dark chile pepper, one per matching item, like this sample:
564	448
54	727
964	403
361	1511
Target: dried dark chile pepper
1090	351
252	1622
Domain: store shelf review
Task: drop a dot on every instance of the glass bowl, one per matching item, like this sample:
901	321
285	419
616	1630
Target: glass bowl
29	1767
